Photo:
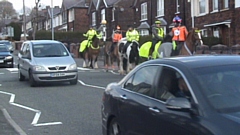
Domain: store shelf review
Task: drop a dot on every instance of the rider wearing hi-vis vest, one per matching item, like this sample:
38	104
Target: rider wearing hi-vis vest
179	33
90	34
131	35
157	36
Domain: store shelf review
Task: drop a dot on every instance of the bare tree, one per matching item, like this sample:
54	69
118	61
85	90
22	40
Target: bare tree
6	10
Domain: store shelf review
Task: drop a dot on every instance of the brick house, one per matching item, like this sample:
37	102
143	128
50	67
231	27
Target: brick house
147	11
218	18
115	12
73	16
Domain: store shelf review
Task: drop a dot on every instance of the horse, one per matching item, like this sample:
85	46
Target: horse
132	56
110	58
193	40
90	52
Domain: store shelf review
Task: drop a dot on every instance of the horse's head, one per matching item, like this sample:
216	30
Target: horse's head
96	41
195	36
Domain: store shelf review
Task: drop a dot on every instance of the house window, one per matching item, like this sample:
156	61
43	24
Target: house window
144	11
160	7
202	6
144	32
215	5
237	3
225	4
216	32
93	18
204	32
64	17
103	17
177	6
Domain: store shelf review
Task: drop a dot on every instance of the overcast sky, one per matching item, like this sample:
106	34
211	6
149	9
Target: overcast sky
18	4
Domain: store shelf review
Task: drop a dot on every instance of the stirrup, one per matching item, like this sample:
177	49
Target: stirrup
150	58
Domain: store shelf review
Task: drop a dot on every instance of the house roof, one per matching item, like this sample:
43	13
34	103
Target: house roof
110	2
74	3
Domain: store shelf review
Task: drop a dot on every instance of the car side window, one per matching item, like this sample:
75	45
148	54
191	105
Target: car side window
142	80
171	84
23	49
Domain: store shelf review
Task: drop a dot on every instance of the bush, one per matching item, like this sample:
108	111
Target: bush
210	41
68	37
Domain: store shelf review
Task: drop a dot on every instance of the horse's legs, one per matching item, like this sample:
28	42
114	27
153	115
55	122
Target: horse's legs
121	64
95	62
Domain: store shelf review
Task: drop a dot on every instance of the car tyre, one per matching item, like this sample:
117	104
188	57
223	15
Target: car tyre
20	76
114	127
32	82
74	82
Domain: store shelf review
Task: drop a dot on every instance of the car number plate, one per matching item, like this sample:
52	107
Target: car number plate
57	74
1	61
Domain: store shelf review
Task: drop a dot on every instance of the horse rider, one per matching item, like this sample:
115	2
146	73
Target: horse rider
179	33
157	36
116	37
131	35
90	34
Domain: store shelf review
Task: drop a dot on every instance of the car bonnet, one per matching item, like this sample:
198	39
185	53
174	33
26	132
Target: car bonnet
54	61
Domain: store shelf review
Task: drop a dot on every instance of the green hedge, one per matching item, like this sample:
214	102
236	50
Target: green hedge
69	37
210	41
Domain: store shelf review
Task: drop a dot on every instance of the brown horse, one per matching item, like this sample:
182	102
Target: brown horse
110	58
193	40
189	48
90	54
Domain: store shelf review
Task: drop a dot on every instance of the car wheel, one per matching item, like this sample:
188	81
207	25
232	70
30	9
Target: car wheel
74	82
20	76
33	83
114	128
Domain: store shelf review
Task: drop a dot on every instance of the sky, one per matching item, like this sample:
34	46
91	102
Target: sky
18	4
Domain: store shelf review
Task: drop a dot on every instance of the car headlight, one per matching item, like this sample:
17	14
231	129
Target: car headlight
72	67
39	68
8	57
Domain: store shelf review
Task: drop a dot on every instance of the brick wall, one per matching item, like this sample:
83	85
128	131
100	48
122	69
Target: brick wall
81	22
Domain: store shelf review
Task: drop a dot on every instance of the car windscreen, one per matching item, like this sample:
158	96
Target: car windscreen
3	48
221	86
49	50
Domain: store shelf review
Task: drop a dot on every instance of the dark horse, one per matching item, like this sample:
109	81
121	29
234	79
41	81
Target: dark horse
110	58
189	48
91	52
132	58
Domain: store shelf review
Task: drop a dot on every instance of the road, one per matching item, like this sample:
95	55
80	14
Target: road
56	108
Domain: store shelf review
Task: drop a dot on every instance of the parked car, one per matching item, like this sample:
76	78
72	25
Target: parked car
8	43
6	57
46	61
151	100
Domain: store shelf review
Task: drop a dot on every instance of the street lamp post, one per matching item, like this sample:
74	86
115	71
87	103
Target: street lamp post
24	21
104	32
52	22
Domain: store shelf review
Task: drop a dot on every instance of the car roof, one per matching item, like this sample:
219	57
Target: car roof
43	41
198	61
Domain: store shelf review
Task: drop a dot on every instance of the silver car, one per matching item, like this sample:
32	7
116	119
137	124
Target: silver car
46	61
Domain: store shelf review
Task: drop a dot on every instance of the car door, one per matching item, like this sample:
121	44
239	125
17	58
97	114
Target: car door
21	58
172	122
135	97
26	60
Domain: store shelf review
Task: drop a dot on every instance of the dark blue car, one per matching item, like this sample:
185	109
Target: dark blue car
195	95
6	57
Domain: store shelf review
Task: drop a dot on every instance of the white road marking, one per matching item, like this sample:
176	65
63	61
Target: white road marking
12	69
93	86
14	72
37	115
80	68
1	73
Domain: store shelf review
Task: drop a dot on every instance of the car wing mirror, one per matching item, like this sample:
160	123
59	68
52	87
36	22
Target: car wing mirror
178	104
72	54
